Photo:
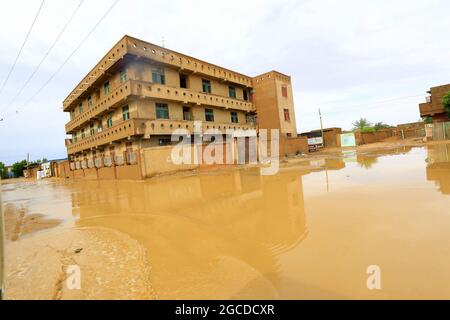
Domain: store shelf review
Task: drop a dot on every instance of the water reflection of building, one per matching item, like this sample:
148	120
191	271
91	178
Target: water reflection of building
438	166
199	229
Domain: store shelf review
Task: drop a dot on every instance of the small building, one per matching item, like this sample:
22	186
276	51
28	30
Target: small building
47	169
433	107
329	139
31	171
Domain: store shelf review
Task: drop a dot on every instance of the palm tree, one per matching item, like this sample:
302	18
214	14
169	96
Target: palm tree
361	124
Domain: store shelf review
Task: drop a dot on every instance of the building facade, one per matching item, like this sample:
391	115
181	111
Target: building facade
139	93
433	107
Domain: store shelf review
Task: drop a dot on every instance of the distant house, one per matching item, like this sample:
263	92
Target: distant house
46	168
433	107
329	139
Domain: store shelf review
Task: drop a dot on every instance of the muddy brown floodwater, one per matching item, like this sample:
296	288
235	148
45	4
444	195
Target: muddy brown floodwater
310	231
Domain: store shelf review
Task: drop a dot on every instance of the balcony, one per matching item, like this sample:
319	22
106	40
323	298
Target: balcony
429	109
166	127
187	96
117	96
121	95
123	130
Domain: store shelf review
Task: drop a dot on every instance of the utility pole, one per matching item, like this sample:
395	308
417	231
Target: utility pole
28	162
321	128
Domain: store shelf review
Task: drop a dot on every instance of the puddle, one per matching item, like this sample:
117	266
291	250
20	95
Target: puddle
309	232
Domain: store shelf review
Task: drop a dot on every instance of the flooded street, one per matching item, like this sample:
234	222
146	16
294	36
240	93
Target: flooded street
311	231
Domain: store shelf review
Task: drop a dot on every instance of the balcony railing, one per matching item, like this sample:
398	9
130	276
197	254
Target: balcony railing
119	131
187	96
167	127
157	91
105	105
147	128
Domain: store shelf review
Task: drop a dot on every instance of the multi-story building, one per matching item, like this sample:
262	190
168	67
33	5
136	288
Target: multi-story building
433	107
139	93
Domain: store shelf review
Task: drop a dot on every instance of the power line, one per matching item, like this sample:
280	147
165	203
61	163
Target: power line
45	56
69	57
21	48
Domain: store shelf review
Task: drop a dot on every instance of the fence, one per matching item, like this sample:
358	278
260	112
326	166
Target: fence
441	131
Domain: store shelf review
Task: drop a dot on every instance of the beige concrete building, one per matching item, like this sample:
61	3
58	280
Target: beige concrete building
140	92
433	107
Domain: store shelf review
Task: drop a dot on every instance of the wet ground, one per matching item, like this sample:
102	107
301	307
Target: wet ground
310	231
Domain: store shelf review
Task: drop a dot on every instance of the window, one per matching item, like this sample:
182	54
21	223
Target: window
284	91
99	126
125	113
92	130
162	111
206	85
80	107
75	137
234	117
158	75
286	115
72	115
90	102
232	92
187	114
209	114
109	121
183	81
123	76
83	134
245	95
106	88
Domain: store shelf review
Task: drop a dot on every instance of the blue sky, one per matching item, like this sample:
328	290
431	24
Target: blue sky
350	58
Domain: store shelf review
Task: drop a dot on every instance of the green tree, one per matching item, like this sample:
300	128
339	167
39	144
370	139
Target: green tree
381	125
427	120
367	129
3	172
361	124
18	167
446	102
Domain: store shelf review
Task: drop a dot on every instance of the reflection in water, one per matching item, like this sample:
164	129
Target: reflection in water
215	235
310	231
368	159
438	166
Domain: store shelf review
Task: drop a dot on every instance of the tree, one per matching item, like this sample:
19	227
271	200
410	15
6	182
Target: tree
446	103
427	120
367	129
18	167
361	124
3	172
381	125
